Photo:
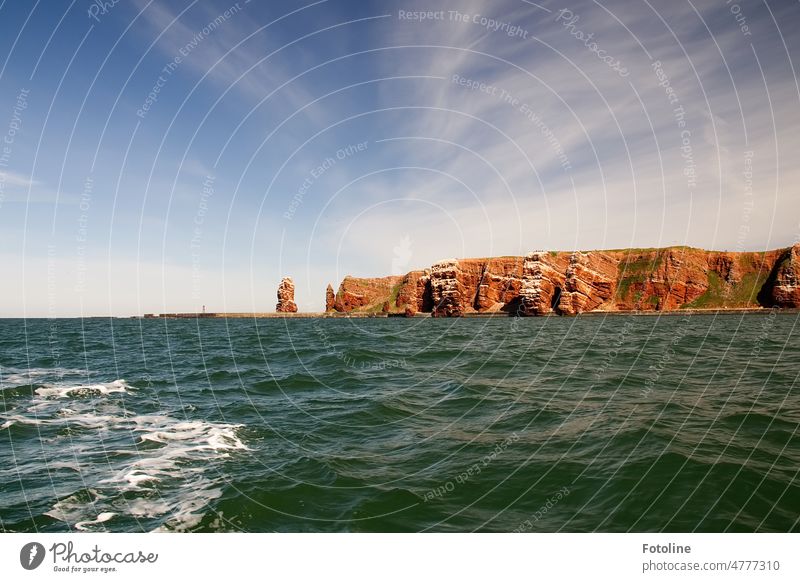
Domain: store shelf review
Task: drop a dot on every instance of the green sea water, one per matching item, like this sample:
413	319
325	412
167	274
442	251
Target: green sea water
623	423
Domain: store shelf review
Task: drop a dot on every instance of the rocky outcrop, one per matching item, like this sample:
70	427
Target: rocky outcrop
414	294
468	285
364	294
660	279
499	284
545	282
447	290
785	285
726	266
286	302
542	283
330	298
681	277
589	284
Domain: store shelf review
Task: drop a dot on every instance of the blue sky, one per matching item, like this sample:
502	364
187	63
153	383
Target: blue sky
158	156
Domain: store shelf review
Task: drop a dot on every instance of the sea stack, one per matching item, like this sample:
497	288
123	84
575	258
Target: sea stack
286	302
330	298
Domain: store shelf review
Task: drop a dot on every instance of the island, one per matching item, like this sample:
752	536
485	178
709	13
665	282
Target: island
676	279
670	279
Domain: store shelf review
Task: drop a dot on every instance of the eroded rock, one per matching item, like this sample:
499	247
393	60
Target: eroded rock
543	276
330	298
286	302
590	282
786	285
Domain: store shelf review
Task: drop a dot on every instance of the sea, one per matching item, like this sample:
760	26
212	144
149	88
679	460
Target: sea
609	423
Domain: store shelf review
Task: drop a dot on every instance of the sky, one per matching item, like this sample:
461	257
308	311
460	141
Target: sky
163	156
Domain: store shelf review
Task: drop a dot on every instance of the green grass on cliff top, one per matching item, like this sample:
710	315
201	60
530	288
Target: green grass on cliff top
721	294
377	306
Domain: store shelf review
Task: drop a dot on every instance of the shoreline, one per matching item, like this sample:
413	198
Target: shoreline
468	315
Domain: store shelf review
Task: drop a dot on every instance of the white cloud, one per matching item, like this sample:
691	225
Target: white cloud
14	179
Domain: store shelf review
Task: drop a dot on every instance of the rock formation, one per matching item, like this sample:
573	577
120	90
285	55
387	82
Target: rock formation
498	284
726	266
365	294
286	302
330	298
542	283
786	282
589	284
466	285
447	291
545	282
414	294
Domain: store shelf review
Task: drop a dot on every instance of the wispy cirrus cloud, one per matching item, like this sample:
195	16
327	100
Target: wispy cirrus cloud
628	149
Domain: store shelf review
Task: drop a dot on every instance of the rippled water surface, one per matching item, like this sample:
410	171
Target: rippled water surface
617	423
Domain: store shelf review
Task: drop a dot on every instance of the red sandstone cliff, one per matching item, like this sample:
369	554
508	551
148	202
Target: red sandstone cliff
364	294
414	294
545	282
785	291
590	282
543	276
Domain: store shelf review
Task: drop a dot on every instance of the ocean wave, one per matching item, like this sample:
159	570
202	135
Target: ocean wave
12	419
65	417
158	468
73	508
101	518
14	377
216	437
173	483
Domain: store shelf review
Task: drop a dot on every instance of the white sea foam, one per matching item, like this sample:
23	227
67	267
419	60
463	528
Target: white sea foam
45	408
74	508
183	442
144	507
103	517
177	470
169	473
189	511
210	436
117	386
86	421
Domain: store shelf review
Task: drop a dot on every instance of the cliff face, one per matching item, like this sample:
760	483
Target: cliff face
590	282
545	282
485	285
448	291
543	276
414	294
498	283
286	302
785	284
365	294
681	277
